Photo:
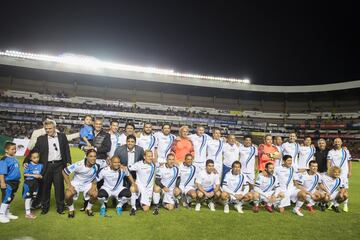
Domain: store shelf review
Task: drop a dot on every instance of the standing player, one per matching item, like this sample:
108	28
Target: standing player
278	144
200	140
164	141
236	189
84	180
291	147
267	186
340	157
113	177
165	182
129	130
9	181
268	153
231	154
248	158
215	149
145	175
208	186
186	181
114	136
306	154
146	139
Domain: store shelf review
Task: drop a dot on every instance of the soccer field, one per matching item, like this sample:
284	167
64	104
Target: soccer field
186	224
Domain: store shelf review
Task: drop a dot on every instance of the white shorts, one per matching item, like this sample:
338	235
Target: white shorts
251	177
81	187
345	179
168	197
290	196
185	190
113	193
145	194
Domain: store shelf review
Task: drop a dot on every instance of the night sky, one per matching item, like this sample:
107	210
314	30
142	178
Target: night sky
286	44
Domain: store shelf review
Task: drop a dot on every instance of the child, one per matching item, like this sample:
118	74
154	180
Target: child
9	181
32	176
86	132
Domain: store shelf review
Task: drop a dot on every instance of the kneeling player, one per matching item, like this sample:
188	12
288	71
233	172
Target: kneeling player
165	181
208	186
235	188
267	186
186	180
333	188
145	175
84	181
113	186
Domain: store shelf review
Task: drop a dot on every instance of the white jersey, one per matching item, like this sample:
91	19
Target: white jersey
115	142
306	154
187	175
309	182
234	184
332	184
231	154
340	158
122	139
163	145
208	181
168	175
266	184
113	179
215	149
82	173
285	177
291	149
247	158
145	173
147	142
200	146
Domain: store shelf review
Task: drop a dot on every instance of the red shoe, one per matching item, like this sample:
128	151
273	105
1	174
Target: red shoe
255	209
269	208
310	208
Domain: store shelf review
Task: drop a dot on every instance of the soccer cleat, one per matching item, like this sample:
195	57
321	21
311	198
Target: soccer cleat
84	206
4	219
345	208
156	211
268	208
310	208
330	206
119	210
11	216
211	206
297	212
197	207
238	207
103	211
89	212
132	212
335	208
322	207
30	216
226	208
176	205
255	209
71	214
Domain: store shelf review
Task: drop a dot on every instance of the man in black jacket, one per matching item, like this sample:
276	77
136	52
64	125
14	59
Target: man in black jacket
54	153
102	141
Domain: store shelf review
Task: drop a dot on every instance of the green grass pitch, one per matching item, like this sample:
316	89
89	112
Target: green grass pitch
186	224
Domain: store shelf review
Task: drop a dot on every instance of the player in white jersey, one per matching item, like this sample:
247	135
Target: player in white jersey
114	137
291	147
208	186
84	180
129	130
145	176
165	182
306	154
164	141
186	181
215	149
340	157
231	154
278	144
113	177
308	183
236	189
200	140
267	186
248	158
333	188
146	139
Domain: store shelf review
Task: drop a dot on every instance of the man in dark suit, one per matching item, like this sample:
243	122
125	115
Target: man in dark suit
129	153
54	153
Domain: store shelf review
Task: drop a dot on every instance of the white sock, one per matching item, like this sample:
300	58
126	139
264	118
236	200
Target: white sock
256	202
89	206
346	202
335	203
133	200
310	201
7	211
71	207
27	206
298	205
240	203
3	208
156	198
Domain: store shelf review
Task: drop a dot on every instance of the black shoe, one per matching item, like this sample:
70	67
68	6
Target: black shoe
60	212
176	205
89	212
37	206
322	207
44	211
84	206
132	212
71	214
156	211
336	209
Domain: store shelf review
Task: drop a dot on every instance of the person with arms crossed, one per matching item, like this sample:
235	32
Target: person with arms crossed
164	141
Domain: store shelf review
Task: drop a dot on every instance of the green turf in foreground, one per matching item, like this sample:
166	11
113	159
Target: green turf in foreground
186	224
